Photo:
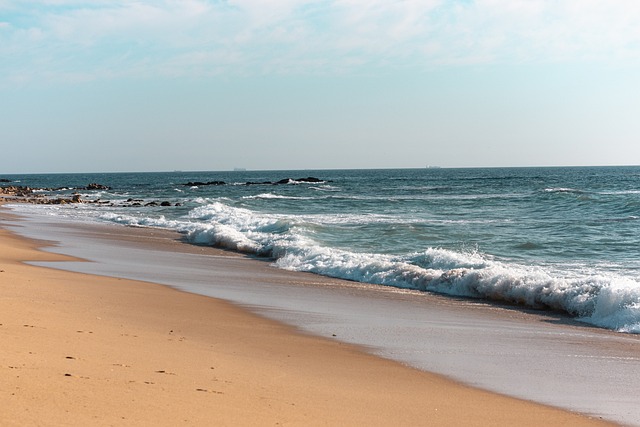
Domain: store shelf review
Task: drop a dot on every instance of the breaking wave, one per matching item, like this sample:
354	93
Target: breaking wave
276	196
606	300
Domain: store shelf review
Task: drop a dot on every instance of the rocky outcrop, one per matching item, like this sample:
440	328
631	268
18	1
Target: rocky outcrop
27	195
284	181
21	194
95	186
311	180
15	190
202	184
63	201
259	183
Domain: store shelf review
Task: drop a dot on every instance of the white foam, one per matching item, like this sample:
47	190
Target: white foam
276	196
564	190
608	301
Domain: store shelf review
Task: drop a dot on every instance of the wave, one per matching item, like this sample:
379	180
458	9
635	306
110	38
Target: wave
565	190
218	224
602	299
430	188
327	188
137	221
620	192
310	181
609	302
277	196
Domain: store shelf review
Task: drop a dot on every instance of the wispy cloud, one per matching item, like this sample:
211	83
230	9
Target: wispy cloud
58	38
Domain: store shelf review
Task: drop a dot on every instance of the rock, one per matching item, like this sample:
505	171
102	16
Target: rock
15	190
202	184
151	204
165	203
5	180
94	186
259	183
286	181
310	179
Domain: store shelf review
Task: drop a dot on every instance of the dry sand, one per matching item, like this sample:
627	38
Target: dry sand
88	350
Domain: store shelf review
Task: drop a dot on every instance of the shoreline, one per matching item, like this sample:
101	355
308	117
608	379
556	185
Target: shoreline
145	355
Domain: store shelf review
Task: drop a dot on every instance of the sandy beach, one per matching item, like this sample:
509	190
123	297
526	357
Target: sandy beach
88	350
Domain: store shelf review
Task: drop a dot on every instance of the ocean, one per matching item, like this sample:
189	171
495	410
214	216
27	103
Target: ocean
564	239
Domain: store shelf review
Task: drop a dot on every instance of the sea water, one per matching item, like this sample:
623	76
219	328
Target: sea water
565	239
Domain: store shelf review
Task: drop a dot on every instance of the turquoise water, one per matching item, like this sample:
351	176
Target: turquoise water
560	238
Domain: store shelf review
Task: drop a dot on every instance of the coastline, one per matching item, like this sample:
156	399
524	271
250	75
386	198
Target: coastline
97	350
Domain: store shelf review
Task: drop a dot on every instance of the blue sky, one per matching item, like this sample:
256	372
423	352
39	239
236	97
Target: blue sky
212	85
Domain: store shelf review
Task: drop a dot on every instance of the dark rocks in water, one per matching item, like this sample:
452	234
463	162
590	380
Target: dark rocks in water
5	180
284	181
27	195
15	190
135	203
95	186
34	195
202	184
259	183
59	200
310	179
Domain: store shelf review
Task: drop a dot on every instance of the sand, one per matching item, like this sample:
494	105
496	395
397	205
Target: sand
79	349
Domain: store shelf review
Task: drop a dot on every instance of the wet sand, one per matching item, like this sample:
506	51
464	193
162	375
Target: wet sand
93	350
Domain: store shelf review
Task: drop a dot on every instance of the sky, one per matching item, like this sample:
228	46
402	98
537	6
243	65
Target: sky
110	86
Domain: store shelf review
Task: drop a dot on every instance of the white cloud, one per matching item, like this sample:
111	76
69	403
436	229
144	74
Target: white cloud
299	36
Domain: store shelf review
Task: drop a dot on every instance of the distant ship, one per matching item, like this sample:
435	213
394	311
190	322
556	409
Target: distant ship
433	167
